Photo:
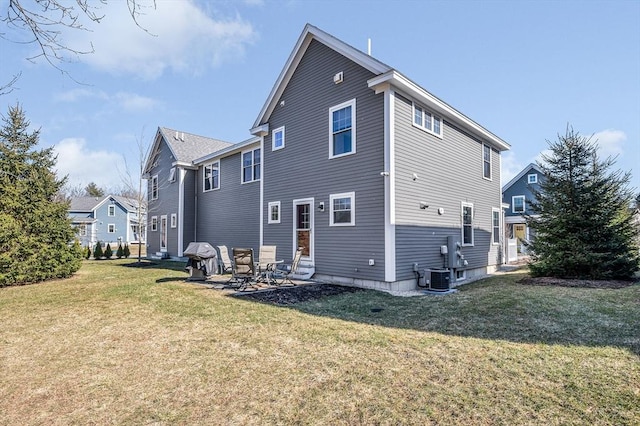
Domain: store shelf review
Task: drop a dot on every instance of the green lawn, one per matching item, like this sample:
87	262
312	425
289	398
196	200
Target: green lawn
119	345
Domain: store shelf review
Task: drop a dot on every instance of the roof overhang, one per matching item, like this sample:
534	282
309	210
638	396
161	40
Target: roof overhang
227	151
394	79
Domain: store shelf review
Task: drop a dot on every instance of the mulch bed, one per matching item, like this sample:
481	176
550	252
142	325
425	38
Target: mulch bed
291	295
547	281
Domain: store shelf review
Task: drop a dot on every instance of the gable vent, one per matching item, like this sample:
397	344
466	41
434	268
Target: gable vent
338	78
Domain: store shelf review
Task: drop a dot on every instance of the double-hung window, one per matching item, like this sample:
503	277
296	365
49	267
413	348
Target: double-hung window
174	220
111	210
343	209
251	166
467	224
342	129
495	226
154	187
82	230
486	161
154	223
211	177
277	139
172	174
111	228
427	121
274	212
517	204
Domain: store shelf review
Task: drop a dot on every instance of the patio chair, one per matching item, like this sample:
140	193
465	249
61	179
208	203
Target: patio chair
243	271
283	273
267	261
225	264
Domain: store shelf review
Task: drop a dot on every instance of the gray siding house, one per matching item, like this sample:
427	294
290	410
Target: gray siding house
369	174
109	219
171	190
517	194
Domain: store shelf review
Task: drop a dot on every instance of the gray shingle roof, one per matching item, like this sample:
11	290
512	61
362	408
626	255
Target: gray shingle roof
187	146
84	204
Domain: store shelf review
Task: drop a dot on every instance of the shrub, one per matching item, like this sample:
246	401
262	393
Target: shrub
120	251
127	253
97	251
108	252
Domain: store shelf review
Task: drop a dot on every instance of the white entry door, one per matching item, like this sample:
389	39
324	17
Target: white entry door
303	226
163	233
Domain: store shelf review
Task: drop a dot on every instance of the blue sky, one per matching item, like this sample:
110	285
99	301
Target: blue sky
522	69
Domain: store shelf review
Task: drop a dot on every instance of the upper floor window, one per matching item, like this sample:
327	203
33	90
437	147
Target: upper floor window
427	121
532	178
111	210
82	230
343	209
251	165
495	228
467	224
172	174
274	212
486	161
277	139
517	204
111	228
342	129
154	187
211	177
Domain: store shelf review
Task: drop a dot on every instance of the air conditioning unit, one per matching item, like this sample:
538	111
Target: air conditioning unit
440	280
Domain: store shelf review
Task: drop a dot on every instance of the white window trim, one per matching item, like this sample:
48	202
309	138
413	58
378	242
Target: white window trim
513	204
154	184
534	176
154	223
82	230
111	228
351	195
111	208
493	211
273	139
422	126
463	277
172	174
204	174
253	165
485	146
352	104
274	204
174	220
462	225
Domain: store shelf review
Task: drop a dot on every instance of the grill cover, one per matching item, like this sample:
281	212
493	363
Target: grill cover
199	251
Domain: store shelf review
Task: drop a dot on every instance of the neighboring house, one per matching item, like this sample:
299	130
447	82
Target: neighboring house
364	170
171	191
517	196
109	219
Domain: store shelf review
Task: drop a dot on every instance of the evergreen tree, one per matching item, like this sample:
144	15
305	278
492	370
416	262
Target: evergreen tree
120	251
97	251
87	252
36	237
108	252
583	224
127	252
93	190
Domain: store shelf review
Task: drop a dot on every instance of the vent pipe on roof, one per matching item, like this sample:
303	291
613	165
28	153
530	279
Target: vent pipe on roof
369	46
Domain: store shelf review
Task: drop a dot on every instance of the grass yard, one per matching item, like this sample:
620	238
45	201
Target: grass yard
120	345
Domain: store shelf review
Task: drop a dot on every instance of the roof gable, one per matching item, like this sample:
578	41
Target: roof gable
184	147
524	171
308	34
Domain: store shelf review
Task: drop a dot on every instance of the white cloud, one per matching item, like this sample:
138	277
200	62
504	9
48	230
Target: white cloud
610	142
510	167
179	36
82	165
130	102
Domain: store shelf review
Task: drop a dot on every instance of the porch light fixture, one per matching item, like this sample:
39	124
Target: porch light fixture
321	206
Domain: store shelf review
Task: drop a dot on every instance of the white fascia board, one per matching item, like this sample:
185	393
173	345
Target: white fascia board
156	145
403	84
531	166
308	34
227	151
